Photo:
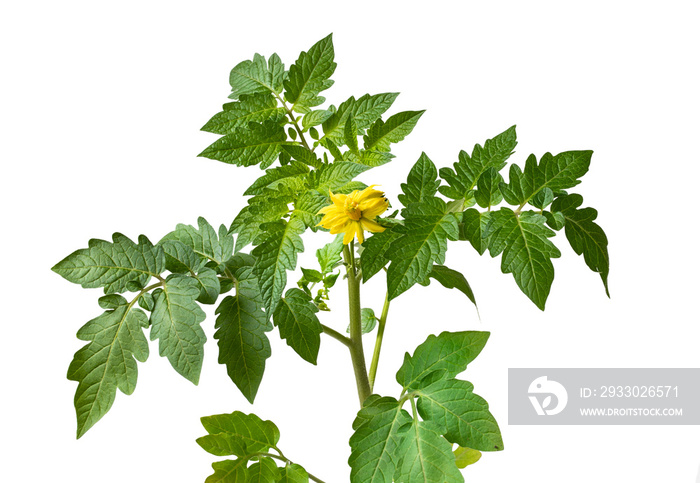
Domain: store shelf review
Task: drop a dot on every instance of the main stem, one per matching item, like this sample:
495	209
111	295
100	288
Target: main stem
356	351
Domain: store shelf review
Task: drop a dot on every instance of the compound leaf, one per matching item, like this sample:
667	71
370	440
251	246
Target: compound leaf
422	182
237	434
204	240
291	175
382	134
310	75
255	76
248	146
256	108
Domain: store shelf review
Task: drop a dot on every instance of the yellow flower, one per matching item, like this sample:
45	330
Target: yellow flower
354	213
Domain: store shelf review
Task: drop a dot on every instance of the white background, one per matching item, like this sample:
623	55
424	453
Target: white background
101	105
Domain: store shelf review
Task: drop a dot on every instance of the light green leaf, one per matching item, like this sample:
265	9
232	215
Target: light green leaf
314	118
462	416
264	471
422	244
181	258
254	76
554	172
366	110
448	354
204	241
307	206
421	184
382	134
329	256
228	471
261	209
209	286
373	258
427	457
118	267
256	108
237	434
585	236
294	474
274	256
376	441
369	158
243	346
291	175
301	154
310	75
351	135
295	316
368	319
254	144
466	456
107	362
335	175
175	322
452	279
527	251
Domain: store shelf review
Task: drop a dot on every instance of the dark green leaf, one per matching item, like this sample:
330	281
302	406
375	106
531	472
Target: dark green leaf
204	241
261	209
254	144
256	108
473	227
422	182
310	75
369	321
448	354
452	279
209	286
291	175
366	110
488	192
373	257
301	154
181	258
382	134
253	76
351	135
238	434
307	206
295	316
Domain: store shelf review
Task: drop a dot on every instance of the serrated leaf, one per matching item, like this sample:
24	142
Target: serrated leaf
335	175
291	175
369	158
203	240
228	471
473	228
382	134
527	251
119	266
449	353
422	182
351	135
295	316
257	75
175	323
108	362
422	244
254	144
373	257
554	172
542	198
330	255
466	456
310	75
307	206
376	441
314	118
452	279
468	169
301	154
366	110
264	471
256	108
427	457
462	416
181	258
111	301
585	236
209	286
262	209
274	256
293	474
488	192
237	434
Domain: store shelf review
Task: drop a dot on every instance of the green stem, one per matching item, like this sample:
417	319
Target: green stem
336	335
378	343
294	121
286	461
356	352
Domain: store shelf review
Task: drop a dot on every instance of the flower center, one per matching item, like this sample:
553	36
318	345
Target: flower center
352	210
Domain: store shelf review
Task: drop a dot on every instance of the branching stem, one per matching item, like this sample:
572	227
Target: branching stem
336	335
378	343
286	461
294	121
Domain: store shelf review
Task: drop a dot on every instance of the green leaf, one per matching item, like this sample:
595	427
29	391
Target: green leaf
473	227
421	184
488	192
295	316
369	158
555	220
291	175
255	108
351	135
107	362
585	236
301	154
113	265
254	76
366	110
462	416
175	322
238	434
422	244
335	175
264	471
307	206
330	255
274	256
310	75
427	457
376	441
452	279
262	209
373	257
241	325
382	134
369	321
466	456
527	251
293	474
254	144
181	258
468	169
448	354
204	241
554	172
146	301
313	276
314	118
228	471
209	286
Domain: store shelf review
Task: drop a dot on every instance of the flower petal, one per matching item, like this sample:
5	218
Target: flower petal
369	225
